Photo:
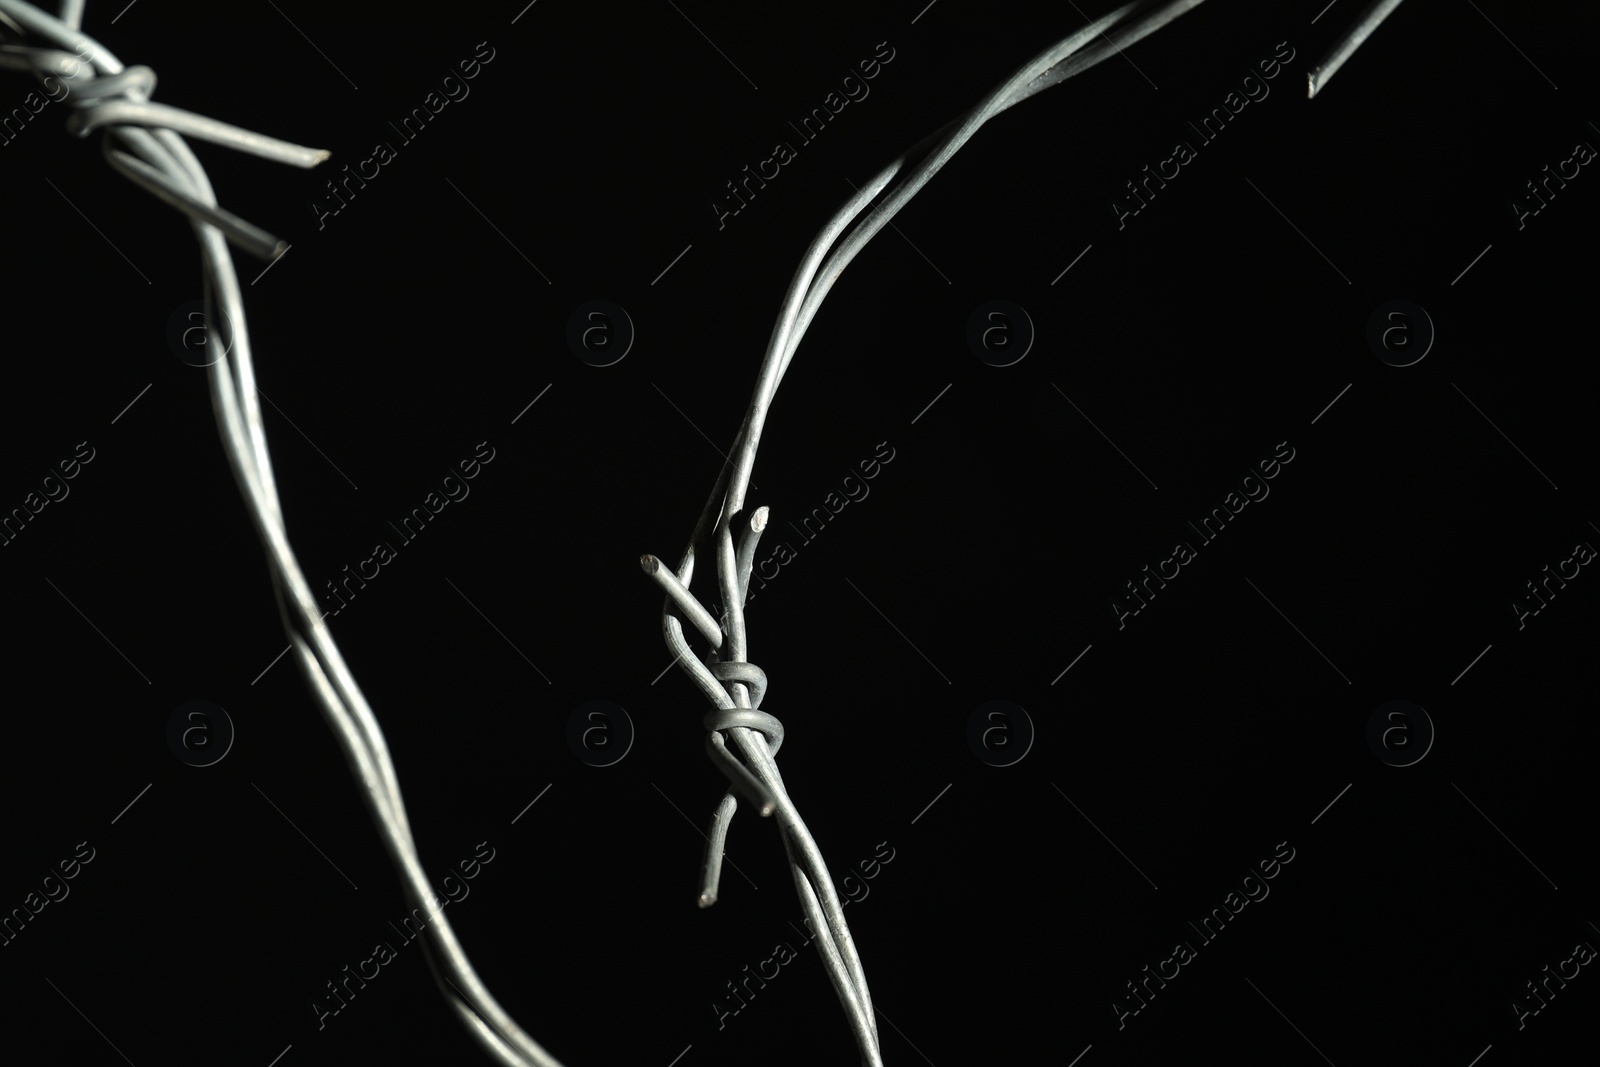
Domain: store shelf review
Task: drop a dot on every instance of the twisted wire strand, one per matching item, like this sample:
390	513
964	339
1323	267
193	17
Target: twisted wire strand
153	155
825	260
115	97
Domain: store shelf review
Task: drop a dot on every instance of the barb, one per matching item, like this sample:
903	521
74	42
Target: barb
1320	75
143	141
734	686
150	152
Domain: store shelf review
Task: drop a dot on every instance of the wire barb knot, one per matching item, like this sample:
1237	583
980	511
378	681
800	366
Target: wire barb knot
718	720
102	93
144	142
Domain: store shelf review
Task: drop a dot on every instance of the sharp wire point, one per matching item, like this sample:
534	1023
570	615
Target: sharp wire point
145	142
1342	49
743	742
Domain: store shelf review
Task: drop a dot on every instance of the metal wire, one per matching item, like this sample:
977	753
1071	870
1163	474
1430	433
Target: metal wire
1320	75
107	94
731	725
143	142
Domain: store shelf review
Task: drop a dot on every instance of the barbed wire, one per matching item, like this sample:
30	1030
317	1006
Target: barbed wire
106	94
144	142
735	719
735	722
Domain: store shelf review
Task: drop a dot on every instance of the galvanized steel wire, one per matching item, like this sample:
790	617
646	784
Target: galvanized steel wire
144	142
735	725
108	95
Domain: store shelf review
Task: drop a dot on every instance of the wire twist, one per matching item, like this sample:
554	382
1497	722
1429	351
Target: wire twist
116	98
741	741
756	776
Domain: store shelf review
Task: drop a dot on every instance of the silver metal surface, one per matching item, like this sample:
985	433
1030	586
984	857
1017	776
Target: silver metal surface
143	141
158	160
869	210
1318	77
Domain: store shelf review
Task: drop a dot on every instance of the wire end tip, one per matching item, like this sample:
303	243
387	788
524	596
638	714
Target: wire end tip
1311	84
707	899
649	563
758	521
322	155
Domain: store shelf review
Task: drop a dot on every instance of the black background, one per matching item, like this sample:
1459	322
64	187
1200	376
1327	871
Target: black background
1176	752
